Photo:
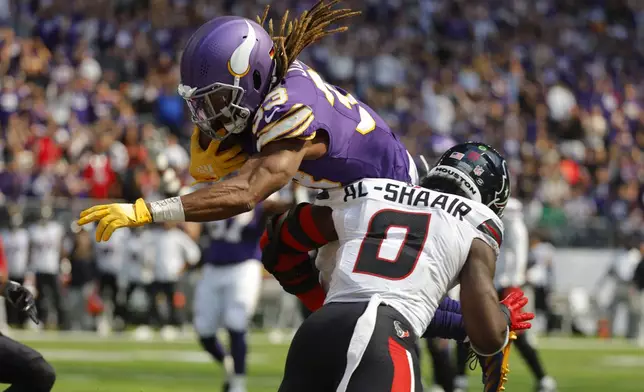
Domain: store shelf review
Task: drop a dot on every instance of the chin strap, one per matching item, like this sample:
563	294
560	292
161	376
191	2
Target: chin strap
274	80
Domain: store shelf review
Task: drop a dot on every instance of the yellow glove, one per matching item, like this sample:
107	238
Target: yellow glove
207	165
113	216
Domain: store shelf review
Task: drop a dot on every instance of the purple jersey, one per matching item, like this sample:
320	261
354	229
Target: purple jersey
361	144
81	106
235	240
48	30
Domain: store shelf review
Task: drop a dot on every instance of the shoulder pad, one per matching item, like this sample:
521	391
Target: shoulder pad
287	112
492	230
488	224
286	123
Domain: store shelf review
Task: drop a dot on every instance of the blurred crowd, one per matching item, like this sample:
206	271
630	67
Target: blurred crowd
88	102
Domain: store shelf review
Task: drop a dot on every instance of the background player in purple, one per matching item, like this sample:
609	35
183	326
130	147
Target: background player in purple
229	288
244	84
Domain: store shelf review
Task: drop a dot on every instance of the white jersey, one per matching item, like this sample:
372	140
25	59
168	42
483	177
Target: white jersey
174	248
46	239
540	272
142	246
112	255
512	264
16	249
403	242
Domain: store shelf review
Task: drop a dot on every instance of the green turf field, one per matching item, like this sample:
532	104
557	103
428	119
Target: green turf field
90	364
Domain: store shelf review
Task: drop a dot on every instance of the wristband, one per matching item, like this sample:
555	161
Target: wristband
505	343
167	210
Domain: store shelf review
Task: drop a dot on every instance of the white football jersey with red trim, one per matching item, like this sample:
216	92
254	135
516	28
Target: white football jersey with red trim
403	242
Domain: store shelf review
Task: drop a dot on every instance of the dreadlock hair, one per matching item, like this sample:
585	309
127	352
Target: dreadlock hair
295	35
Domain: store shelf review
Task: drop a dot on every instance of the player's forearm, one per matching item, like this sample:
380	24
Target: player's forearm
485	324
260	177
220	201
225	199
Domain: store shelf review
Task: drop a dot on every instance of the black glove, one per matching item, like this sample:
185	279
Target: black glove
22	299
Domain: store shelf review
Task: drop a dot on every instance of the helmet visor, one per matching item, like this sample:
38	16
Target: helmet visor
214	108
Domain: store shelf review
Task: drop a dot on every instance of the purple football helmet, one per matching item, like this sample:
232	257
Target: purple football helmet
227	68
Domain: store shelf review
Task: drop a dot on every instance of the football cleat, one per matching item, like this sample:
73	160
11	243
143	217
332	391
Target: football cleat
495	368
547	384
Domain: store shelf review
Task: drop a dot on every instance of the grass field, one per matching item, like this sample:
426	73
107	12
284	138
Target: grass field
85	363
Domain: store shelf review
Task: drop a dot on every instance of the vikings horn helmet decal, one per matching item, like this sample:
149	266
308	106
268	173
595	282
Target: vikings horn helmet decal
239	63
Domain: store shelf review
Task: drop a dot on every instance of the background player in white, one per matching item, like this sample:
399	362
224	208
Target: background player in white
16	248
400	248
79	274
511	276
46	243
540	276
229	288
637	285
175	250
111	259
140	276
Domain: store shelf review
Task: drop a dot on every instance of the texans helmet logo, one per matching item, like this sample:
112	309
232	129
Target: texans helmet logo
400	332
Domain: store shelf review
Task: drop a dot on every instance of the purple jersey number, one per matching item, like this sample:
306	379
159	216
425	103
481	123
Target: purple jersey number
234	240
230	230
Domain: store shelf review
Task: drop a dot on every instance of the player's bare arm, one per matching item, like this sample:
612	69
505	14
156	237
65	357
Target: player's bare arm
485	324
262	175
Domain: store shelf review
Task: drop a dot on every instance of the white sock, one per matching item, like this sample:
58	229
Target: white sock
229	367
238	382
